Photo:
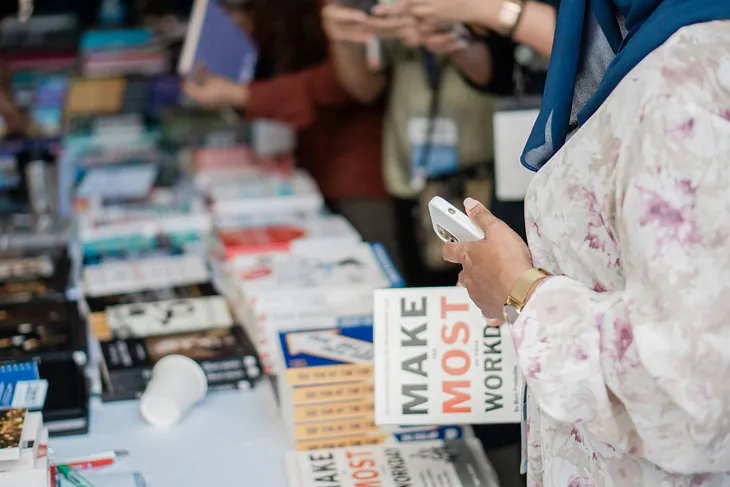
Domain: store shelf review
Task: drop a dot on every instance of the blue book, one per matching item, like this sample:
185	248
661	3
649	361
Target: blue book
216	42
114	40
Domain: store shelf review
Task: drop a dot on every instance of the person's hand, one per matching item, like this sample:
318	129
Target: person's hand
393	21
342	24
440	39
212	91
490	266
483	12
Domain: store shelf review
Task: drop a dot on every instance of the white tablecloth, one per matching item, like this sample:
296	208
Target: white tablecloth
234	438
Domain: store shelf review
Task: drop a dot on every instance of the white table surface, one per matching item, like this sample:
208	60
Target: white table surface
233	438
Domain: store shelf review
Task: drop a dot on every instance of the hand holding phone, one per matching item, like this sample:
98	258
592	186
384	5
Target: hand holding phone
451	224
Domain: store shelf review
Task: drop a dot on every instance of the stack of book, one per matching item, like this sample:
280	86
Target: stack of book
24	450
318	285
326	392
41	326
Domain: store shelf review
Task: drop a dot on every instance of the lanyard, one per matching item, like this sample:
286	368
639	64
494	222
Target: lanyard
433	68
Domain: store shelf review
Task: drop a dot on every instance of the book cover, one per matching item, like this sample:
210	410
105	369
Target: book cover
359	264
11	432
327	355
49	330
437	361
225	354
284	236
459	463
140	320
215	41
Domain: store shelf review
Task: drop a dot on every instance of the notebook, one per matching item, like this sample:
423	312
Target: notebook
216	42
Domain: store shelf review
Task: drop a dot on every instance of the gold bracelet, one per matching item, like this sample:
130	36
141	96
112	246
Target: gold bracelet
518	296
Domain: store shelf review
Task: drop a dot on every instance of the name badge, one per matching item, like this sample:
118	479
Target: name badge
433	149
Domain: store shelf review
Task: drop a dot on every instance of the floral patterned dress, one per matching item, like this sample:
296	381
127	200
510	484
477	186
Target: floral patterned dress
626	352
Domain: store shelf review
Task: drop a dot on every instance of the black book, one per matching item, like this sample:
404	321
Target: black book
34	274
52	331
226	355
98	305
66	411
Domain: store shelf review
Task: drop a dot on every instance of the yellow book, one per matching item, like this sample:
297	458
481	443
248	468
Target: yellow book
328	356
332	392
334	410
342	427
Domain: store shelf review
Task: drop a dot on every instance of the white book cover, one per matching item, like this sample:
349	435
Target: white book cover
139	320
361	264
283	236
152	273
460	463
437	361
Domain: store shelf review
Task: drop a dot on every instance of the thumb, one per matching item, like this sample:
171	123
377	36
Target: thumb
479	214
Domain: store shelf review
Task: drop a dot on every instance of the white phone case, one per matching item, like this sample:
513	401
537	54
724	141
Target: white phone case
451	224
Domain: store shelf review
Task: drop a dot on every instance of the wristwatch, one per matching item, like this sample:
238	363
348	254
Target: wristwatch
518	296
509	16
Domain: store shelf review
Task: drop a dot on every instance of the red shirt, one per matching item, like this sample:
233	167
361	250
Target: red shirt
339	140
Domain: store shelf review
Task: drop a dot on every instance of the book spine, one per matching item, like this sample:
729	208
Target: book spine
329	374
342	442
386	264
326	429
334	411
332	392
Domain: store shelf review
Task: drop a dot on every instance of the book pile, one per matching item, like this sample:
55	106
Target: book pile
24	450
122	52
146	276
42	330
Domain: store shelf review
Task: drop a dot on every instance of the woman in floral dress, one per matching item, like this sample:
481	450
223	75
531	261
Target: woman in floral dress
624	336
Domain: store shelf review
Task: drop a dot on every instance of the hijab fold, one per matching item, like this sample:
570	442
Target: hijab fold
622	32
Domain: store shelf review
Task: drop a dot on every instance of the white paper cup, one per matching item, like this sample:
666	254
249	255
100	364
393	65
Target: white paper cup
178	383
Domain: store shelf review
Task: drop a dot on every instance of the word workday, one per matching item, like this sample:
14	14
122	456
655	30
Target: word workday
363	469
456	359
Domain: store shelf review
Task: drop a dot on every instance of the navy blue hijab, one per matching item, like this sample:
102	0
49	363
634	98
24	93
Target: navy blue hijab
597	43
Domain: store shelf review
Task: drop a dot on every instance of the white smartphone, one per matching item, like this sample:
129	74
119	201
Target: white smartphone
451	224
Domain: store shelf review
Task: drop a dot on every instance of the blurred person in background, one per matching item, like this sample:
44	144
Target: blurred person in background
469	72
418	63
339	139
619	307
530	24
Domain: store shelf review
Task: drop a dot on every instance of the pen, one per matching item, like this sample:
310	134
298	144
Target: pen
74	477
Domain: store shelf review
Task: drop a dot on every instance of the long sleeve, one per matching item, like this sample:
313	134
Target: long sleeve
646	367
294	98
